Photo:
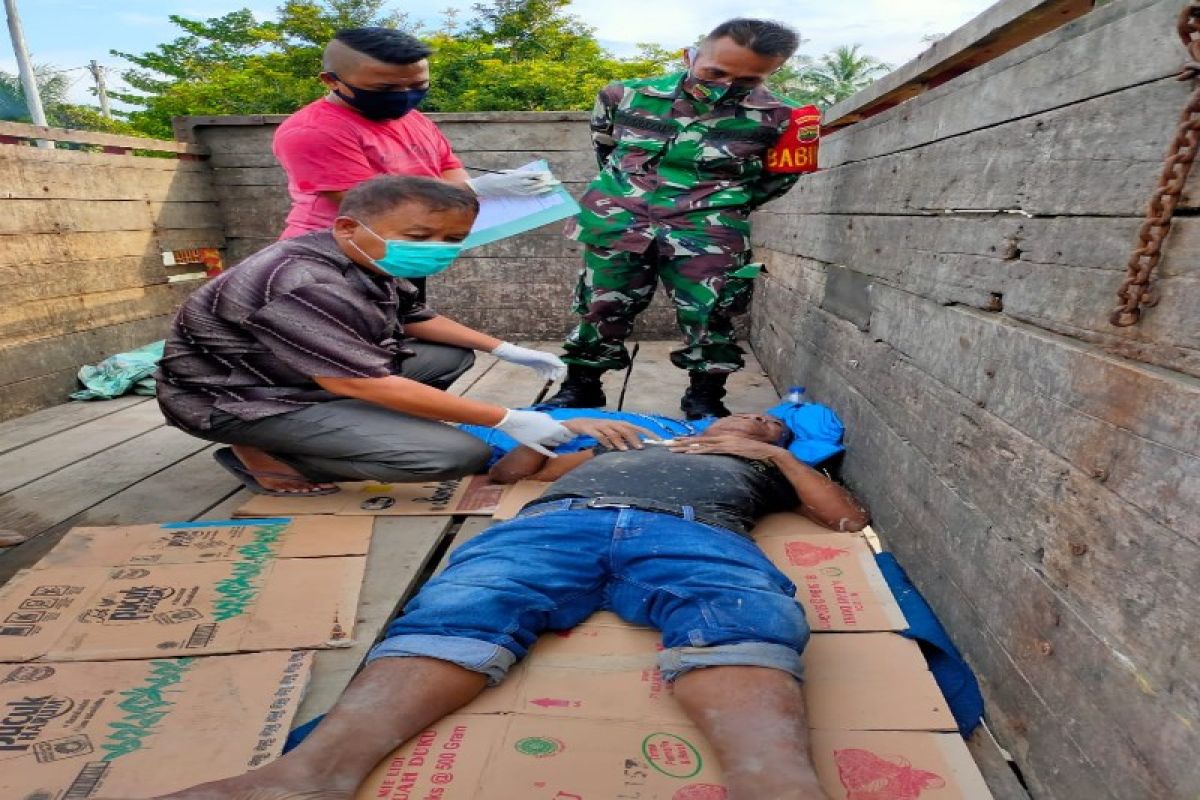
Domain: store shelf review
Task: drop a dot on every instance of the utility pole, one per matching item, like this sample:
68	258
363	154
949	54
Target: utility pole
33	100
101	90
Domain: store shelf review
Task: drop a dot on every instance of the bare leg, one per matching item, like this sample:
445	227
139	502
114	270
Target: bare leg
259	462
391	701
754	719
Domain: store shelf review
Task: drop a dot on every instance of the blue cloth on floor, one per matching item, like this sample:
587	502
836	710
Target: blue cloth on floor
298	735
953	675
817	430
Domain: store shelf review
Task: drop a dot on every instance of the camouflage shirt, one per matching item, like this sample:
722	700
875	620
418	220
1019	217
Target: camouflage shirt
676	167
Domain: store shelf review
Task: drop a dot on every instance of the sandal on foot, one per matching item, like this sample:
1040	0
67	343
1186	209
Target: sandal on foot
229	460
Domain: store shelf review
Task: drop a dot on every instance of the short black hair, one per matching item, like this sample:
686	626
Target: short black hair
377	196
384	44
764	37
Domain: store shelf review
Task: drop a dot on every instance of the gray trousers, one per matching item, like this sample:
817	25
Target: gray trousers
351	440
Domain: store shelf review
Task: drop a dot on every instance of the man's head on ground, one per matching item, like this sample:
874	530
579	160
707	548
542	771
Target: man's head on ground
404	221
759	427
738	55
380	72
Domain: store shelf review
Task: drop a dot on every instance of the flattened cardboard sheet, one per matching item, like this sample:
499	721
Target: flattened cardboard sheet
474	495
542	758
143	728
837	581
871	681
104	613
787	523
869	765
211	540
518	496
447	761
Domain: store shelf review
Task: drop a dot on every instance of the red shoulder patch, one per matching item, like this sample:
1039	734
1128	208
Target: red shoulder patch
796	150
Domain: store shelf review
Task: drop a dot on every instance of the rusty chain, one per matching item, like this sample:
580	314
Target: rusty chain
1135	293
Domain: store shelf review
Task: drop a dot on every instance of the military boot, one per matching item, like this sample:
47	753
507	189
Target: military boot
581	389
703	397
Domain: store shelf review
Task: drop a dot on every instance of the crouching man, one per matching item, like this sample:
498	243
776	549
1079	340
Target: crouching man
657	534
314	359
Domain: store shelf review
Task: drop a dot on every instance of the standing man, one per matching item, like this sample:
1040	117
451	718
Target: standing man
368	125
683	162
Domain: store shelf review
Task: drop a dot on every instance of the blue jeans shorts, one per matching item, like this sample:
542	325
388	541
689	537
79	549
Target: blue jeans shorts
716	598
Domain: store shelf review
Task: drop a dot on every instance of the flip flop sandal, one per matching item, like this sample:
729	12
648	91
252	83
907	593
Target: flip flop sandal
229	460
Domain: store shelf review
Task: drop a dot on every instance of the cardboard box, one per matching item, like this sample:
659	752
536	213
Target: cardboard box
102	613
837	581
211	540
448	761
787	523
871	681
518	496
473	495
143	728
871	765
541	758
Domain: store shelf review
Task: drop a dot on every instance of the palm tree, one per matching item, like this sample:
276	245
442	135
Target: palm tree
839	74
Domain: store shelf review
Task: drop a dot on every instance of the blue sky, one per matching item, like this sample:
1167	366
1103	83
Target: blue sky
69	33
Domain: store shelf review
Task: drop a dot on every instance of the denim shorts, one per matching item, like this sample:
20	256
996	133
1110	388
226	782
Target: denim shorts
716	598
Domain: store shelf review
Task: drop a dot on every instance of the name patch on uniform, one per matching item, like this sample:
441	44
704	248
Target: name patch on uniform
796	150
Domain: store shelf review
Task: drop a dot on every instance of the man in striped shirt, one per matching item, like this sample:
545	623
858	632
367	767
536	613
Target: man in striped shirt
314	359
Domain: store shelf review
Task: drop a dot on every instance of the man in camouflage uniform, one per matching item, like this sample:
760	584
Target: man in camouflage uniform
683	163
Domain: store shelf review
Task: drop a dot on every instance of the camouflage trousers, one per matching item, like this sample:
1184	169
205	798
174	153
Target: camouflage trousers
708	291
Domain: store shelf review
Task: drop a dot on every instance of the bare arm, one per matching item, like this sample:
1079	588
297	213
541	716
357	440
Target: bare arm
821	500
526	464
444	330
411	397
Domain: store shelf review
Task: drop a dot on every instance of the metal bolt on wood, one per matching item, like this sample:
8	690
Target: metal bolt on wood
1135	293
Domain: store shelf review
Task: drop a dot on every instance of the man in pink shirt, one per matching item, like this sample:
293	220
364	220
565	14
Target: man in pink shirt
368	125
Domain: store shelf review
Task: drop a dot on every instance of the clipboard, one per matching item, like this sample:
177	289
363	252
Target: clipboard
502	217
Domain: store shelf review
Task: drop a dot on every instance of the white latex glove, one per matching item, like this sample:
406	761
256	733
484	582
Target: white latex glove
548	366
534	429
513	183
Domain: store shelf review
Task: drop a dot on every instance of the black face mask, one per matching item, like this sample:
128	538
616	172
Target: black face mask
379	105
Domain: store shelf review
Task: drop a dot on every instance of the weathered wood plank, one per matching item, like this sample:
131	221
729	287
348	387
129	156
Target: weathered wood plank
509	385
226	508
574	166
78	248
24	131
542	137
656	385
1057	273
30	394
400	551
48	501
36	216
178	489
47	356
40	458
1109	158
39	425
1138	38
57	316
907	429
55	179
996	769
483	363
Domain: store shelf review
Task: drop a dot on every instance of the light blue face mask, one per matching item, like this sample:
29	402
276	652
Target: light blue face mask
405	259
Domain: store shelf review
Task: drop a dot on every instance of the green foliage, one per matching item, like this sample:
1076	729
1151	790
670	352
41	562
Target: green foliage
830	79
53	86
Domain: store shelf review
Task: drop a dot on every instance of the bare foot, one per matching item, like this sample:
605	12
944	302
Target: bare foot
273	474
280	780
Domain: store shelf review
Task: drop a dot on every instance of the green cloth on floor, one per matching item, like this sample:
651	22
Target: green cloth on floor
121	374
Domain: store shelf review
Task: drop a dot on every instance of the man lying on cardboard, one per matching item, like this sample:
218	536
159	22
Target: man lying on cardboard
658	534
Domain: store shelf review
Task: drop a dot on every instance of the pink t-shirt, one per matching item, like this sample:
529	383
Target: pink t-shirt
325	147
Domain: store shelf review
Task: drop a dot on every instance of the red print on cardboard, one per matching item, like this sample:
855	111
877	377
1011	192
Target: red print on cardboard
803	554
701	791
866	776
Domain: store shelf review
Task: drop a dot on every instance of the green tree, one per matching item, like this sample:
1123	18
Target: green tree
235	64
837	75
53	85
508	55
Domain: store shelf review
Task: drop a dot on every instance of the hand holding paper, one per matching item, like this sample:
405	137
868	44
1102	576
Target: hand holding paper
513	183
